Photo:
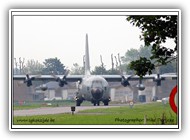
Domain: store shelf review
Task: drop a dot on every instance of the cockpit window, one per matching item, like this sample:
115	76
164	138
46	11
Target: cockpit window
96	83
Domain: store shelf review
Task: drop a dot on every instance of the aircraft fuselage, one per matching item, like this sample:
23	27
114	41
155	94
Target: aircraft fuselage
93	88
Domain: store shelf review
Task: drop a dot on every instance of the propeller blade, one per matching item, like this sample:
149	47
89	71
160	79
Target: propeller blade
67	72
53	74
62	81
29	80
124	81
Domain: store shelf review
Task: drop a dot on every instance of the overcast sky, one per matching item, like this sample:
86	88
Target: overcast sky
42	37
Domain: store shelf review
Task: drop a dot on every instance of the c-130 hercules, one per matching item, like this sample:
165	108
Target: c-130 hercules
94	88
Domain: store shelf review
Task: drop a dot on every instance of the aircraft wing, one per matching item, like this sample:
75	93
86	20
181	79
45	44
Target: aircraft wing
154	77
172	76
69	78
109	78
118	78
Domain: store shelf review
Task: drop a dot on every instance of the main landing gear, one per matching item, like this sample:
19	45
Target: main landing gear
78	102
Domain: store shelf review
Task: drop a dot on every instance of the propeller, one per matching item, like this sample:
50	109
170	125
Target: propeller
124	81
158	80
28	80
62	81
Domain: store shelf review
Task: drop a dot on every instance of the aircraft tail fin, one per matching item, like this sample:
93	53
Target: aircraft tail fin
87	59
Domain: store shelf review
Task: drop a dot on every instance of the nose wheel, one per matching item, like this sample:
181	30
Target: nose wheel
96	103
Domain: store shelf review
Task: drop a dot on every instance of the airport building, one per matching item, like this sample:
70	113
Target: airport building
118	93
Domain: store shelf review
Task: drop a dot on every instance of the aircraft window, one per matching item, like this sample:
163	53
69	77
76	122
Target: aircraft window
97	83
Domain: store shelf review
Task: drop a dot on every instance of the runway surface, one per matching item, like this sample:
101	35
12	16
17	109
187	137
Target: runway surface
54	110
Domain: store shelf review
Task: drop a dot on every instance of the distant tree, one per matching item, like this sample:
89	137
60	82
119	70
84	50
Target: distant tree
130	55
145	51
169	68
19	66
77	70
99	70
142	66
133	55
155	31
113	72
33	67
53	65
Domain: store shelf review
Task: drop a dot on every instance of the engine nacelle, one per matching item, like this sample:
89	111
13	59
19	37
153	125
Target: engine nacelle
43	87
140	86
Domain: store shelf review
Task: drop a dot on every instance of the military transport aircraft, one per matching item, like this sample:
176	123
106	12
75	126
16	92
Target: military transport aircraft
94	88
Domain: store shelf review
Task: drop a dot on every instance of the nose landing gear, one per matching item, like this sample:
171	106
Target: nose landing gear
96	103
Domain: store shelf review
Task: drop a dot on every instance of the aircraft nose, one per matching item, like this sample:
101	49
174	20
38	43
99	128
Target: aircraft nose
97	93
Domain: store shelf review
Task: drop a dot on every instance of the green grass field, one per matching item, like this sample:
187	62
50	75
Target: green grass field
155	114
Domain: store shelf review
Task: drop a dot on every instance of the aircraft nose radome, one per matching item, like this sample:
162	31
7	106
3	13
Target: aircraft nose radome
97	93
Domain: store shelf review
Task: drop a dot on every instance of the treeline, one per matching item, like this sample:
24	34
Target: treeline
49	66
54	65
